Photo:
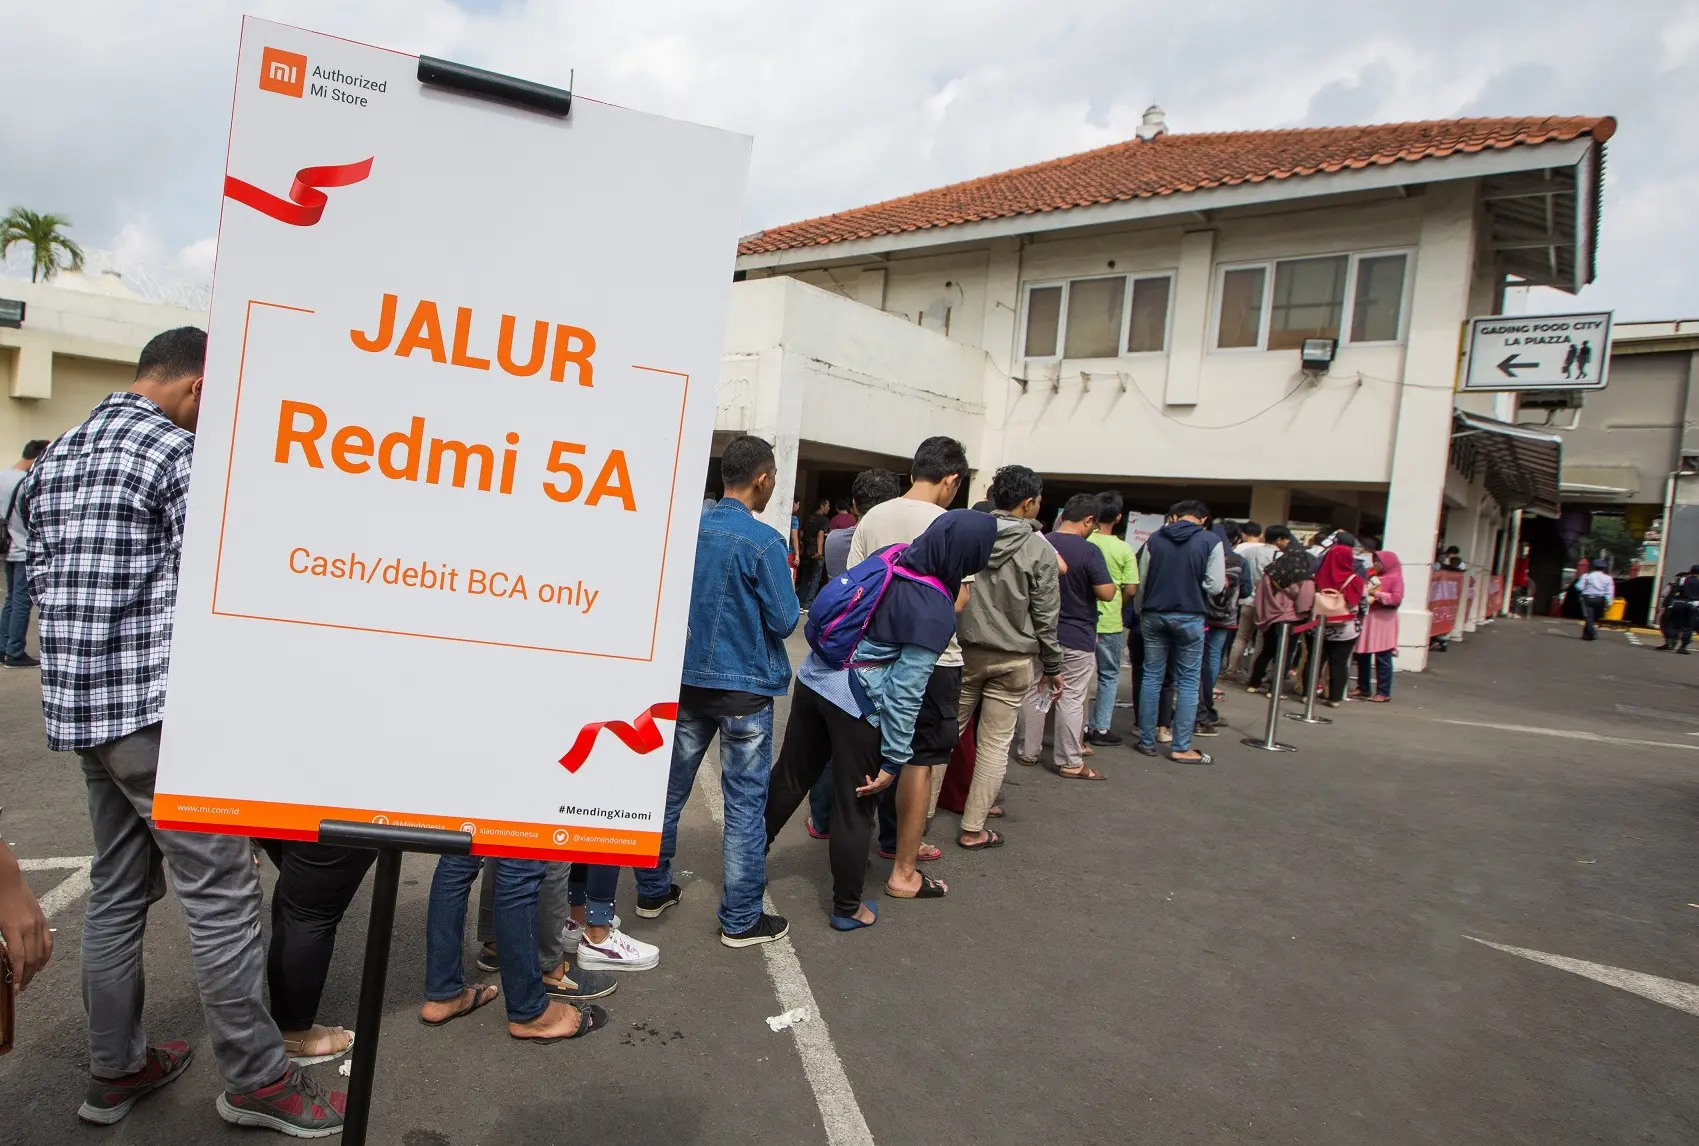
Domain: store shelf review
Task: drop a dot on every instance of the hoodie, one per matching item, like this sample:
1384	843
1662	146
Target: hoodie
1015	599
1181	566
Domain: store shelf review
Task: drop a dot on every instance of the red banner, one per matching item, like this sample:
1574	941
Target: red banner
1495	595
641	735
306	203
1445	595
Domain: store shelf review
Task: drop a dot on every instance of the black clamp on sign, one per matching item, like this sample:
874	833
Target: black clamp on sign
493	85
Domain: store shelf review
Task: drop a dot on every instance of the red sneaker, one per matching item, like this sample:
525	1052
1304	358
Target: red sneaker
295	1104
109	1099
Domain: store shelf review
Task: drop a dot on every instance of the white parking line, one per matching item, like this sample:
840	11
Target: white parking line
839	1111
1571	734
71	889
1669	992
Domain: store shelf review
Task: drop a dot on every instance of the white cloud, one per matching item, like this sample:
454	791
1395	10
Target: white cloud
853	103
197	257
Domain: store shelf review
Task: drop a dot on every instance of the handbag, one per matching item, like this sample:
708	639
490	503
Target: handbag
1331	602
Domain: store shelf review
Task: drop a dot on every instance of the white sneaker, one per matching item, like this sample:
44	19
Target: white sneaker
618	952
572	934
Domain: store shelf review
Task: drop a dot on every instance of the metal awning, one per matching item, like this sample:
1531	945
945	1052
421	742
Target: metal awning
1522	465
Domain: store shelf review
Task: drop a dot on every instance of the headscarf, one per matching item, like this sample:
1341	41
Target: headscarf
1289	567
954	546
1391	578
1338	571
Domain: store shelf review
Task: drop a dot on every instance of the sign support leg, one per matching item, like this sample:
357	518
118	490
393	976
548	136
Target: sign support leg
374	977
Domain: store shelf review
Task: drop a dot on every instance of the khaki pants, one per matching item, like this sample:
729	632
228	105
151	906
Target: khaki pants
1244	642
994	682
1079	671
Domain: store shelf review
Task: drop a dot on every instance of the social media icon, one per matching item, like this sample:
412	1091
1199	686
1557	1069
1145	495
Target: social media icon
380	819
469	828
560	836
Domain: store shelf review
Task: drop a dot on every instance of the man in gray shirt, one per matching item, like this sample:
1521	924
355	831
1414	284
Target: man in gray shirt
871	488
14	615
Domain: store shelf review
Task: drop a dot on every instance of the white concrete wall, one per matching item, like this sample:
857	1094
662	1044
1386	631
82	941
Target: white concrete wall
802	363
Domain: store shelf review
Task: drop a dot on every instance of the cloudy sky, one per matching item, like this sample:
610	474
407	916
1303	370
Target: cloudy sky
115	111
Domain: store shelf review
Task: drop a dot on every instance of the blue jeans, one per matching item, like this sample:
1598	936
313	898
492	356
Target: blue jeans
1215	643
822	797
594	885
746	764
14	616
517	882
1109	646
1180	636
1382	664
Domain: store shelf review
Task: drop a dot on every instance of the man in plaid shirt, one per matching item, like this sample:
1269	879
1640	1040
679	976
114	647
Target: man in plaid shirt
105	507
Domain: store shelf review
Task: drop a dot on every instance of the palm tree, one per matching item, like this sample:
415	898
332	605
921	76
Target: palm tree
45	240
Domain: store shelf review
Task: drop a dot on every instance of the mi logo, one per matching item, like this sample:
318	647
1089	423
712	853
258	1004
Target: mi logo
283	72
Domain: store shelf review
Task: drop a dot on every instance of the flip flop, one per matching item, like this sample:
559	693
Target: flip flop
1144	750
1085	773
479	999
929	889
591	1019
922	857
851	923
991	840
1203	758
995	811
1380	700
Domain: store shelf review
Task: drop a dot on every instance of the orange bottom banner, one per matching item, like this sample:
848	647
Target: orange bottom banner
583	843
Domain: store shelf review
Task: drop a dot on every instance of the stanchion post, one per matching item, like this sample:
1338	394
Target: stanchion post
389	841
1268	743
1308	716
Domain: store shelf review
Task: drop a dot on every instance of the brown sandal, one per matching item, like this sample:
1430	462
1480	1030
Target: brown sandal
1085	772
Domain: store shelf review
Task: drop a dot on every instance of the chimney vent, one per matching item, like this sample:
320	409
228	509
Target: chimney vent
1154	124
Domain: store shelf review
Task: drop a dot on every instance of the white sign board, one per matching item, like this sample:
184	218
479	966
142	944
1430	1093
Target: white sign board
1537	352
458	405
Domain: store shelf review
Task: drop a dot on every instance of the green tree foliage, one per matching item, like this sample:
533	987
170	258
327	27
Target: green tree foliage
45	239
1609	536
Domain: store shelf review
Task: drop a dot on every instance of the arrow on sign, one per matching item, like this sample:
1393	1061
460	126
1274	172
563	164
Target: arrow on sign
1512	364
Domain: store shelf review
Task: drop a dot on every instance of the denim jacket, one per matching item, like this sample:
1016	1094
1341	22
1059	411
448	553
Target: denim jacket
742	605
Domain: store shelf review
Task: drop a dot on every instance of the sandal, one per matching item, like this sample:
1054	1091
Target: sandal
927	853
929	889
991	840
816	833
1380	700
482	995
851	923
1144	750
1203	758
1083	772
297	1051
995	811
591	1018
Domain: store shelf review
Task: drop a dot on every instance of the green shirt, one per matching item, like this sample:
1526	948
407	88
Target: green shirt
1124	569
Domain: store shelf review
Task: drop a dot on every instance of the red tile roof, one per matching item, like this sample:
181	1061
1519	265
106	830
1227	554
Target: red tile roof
1169	165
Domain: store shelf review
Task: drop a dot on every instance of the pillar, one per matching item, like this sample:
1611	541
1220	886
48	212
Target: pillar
1444	267
1000	337
1192	289
1270	504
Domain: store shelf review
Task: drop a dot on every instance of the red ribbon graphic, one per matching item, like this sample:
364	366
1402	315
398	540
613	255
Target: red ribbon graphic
306	202
640	736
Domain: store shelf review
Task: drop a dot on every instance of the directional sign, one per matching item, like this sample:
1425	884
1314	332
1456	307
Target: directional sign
1534	352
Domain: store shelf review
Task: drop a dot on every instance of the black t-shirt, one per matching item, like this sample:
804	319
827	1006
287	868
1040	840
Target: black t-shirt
811	531
1077	626
719	702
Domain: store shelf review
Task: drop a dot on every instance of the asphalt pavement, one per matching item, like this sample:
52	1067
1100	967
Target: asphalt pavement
1277	948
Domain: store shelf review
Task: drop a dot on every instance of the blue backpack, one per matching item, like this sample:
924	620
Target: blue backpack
845	605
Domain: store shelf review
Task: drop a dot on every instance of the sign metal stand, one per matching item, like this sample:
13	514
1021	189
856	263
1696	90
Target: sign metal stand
1313	679
1277	684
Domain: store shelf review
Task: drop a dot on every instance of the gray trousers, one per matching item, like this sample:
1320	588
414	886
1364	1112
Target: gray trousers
218	884
552	909
1079	676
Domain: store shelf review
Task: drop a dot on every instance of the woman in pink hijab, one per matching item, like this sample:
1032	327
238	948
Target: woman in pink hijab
1379	639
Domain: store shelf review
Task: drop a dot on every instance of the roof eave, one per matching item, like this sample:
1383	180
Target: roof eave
1472	165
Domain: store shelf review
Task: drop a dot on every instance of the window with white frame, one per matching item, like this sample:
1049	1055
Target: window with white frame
1275	305
1104	316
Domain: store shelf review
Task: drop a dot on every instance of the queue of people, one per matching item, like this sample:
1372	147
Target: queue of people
929	629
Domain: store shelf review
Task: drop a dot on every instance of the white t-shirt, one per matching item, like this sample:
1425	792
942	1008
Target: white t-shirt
898	522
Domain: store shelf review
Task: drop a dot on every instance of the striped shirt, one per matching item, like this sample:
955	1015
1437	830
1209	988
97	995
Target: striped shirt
105	507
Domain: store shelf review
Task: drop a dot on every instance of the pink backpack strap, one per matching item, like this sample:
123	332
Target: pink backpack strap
922	578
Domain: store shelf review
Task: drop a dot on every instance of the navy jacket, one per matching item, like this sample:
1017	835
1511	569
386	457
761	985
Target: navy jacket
742	605
1182	567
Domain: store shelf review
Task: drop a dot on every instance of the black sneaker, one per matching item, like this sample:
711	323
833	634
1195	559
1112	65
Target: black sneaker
767	929
1206	730
22	661
580	985
651	906
1105	737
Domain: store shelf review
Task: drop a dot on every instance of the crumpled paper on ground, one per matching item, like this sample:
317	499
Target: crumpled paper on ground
788	1019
